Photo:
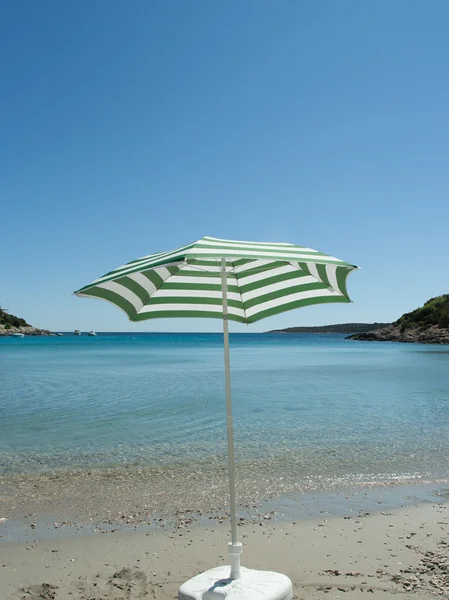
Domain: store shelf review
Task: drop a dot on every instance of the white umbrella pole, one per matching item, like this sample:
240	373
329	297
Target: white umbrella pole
235	547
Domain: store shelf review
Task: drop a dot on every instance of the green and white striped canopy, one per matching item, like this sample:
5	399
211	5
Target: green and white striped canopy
263	279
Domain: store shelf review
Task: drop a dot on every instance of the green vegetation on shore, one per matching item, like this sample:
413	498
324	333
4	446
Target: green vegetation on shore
9	321
434	312
428	324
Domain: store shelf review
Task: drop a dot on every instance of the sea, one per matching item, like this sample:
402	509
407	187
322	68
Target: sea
319	410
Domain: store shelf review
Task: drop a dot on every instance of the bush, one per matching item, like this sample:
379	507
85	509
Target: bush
444	318
434	312
11	320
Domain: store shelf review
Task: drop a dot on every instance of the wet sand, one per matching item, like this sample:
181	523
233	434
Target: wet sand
138	495
384	554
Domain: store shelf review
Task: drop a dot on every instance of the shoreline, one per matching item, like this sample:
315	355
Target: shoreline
47	514
201	487
386	553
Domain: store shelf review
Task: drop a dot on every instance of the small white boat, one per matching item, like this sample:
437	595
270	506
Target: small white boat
77	332
91	333
19	335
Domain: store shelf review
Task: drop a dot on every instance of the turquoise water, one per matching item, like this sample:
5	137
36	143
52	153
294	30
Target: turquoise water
317	407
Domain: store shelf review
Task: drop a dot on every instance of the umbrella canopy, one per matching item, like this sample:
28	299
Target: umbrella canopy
229	280
262	279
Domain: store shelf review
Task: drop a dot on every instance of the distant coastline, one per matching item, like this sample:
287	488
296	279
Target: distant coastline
338	328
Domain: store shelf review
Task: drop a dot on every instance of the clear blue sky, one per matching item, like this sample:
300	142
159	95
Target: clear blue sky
131	128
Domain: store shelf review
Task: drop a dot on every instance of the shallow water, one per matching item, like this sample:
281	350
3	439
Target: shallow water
316	410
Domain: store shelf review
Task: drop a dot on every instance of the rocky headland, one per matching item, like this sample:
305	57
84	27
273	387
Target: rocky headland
11	325
428	324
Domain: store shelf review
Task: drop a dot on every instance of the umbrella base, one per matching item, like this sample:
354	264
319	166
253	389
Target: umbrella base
216	585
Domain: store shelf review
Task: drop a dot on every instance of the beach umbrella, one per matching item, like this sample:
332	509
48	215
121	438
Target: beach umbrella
229	280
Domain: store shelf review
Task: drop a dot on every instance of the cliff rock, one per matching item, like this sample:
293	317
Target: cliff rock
428	324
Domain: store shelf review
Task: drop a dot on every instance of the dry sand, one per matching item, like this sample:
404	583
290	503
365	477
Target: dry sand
381	554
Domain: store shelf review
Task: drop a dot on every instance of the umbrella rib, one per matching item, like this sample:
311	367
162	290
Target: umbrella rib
206	270
156	289
233	269
241	298
296	266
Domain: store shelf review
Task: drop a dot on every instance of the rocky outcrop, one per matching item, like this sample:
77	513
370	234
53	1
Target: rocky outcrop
26	330
10	325
395	333
428	324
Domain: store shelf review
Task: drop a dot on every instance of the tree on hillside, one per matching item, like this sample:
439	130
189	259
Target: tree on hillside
434	312
9	321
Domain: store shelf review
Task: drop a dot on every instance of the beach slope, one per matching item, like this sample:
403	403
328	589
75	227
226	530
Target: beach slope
384	555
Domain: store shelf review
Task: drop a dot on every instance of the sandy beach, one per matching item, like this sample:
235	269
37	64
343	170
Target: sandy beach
383	553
